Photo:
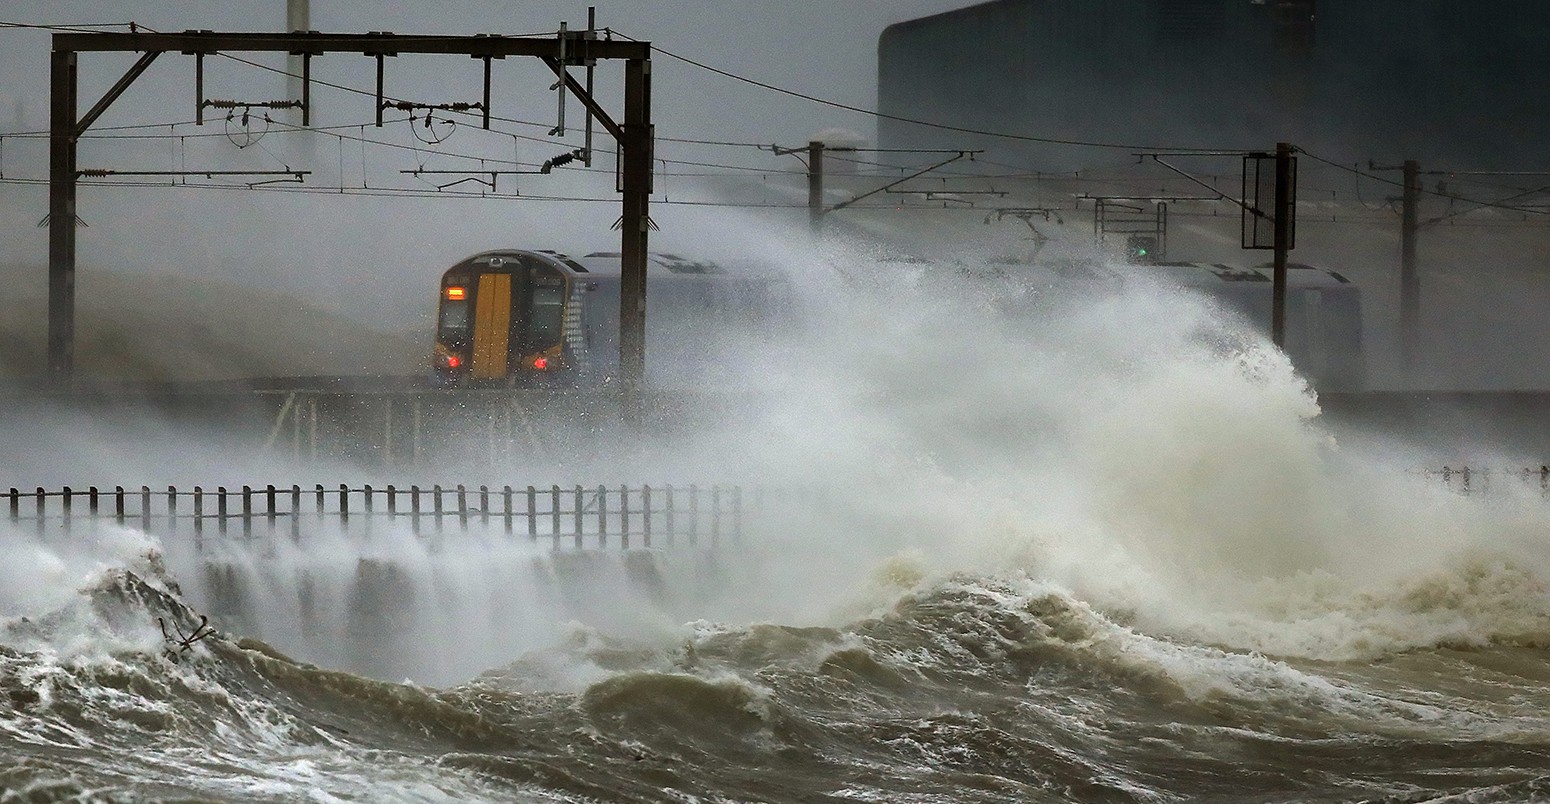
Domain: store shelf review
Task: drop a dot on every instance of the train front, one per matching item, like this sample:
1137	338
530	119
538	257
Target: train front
501	321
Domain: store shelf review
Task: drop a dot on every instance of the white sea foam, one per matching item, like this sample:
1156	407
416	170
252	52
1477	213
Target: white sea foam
1146	450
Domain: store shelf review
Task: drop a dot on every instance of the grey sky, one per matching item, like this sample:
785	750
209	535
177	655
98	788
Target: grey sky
826	48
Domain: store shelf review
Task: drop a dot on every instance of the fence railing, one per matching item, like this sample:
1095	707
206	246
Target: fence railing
580	516
1471	479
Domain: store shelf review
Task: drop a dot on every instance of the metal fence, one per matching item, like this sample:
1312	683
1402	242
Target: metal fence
1479	480
578	516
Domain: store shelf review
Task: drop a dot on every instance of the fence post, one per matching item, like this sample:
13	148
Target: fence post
645	515
436	505
484	506
64	517
554	514
414	509
41	494
715	515
91	502
624	517
392	501
462	507
247	512
220	510
145	509
579	508
118	505
16	505
532	513
295	513
737	513
199	517
172	510
269	501
367	505
694	514
506	508
667	515
344	506
321	504
602	517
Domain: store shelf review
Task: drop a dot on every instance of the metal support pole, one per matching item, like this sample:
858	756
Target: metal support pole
1283	242
298	14
1409	280
635	151
61	216
815	186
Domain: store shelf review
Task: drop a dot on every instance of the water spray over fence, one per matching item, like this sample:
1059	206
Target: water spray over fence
599	517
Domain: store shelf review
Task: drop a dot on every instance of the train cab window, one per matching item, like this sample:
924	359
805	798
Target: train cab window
454	320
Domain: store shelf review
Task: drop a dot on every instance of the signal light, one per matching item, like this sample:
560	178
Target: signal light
1142	249
456	293
540	363
453	361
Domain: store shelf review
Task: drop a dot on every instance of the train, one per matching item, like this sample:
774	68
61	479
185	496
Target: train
1324	314
540	318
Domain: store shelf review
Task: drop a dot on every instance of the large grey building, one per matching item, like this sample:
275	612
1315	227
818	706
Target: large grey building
1461	82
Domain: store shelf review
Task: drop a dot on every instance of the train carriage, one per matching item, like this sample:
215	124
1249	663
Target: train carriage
542	318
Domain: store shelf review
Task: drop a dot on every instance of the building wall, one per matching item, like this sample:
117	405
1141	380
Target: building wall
1457	81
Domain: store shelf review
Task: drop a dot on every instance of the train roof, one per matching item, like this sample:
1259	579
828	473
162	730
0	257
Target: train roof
601	264
1216	273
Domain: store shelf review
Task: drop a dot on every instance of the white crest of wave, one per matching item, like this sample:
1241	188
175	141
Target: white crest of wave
1137	444
45	588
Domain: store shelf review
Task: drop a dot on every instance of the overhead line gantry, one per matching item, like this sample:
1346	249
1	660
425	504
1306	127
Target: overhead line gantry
634	136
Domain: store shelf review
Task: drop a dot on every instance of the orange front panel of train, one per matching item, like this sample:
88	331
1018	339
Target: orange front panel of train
492	326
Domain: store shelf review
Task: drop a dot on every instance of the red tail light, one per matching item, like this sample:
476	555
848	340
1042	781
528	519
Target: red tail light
453	361
541	363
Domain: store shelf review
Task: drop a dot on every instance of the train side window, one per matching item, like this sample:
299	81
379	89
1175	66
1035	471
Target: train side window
548	311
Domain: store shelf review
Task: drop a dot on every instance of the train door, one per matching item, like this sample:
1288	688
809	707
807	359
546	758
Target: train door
492	325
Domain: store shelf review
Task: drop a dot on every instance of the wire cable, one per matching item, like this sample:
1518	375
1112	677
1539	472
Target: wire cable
917	122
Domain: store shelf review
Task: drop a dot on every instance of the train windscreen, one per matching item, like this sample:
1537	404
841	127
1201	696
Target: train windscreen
454	321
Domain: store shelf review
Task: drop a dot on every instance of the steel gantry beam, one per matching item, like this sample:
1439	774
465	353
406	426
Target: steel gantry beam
634	138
